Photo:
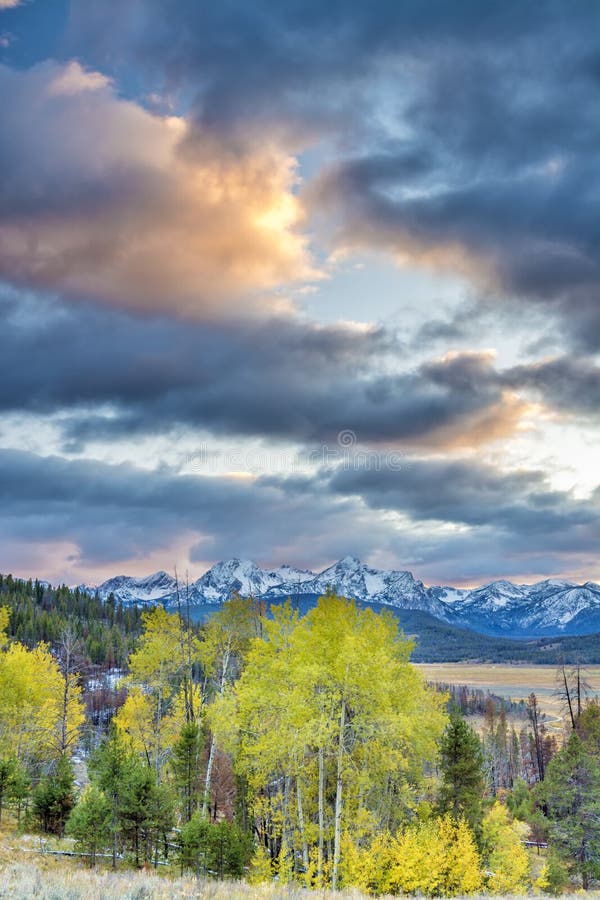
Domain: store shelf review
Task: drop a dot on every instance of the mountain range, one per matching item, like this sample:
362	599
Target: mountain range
547	608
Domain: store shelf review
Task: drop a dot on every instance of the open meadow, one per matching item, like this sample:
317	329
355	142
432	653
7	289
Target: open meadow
512	682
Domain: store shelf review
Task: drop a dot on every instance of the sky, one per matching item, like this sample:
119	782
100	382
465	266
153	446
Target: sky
289	281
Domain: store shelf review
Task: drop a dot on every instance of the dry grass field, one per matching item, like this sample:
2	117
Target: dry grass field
19	882
514	682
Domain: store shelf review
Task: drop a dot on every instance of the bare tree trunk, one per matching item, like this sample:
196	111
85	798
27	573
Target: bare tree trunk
67	656
568	697
338	800
532	708
213	742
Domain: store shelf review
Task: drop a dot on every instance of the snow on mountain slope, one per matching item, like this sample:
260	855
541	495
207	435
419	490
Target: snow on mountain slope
552	606
561	606
246	578
448	595
157	588
496	595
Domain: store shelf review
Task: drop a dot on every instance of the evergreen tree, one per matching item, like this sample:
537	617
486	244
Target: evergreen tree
221	850
109	767
461	757
54	797
90	823
146	812
8	771
571	795
185	762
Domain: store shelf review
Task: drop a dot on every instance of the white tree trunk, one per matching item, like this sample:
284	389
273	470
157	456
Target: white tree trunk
301	823
338	800
321	819
213	742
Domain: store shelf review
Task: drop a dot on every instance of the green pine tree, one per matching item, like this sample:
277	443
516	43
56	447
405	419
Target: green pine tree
571	794
54	797
461	792
185	762
90	823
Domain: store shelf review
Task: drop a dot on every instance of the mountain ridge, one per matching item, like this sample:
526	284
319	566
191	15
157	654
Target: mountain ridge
545	608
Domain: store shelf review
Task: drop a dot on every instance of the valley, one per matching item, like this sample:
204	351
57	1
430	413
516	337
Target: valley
511	681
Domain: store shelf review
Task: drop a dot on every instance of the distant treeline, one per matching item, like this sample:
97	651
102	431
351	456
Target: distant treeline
438	642
476	702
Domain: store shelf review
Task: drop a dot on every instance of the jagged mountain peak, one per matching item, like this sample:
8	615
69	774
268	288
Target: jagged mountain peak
348	562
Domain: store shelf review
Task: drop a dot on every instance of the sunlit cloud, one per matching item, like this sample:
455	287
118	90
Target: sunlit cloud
134	210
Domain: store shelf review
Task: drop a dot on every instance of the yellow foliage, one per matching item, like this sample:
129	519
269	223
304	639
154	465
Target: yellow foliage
136	720
178	715
438	857
72	713
285	864
164	651
505	856
32	700
149	732
4	620
260	866
366	867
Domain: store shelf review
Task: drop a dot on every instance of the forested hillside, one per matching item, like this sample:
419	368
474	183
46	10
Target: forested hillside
106	631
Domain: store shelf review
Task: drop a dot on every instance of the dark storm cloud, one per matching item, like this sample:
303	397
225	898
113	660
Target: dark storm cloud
121	512
566	385
511	193
474	126
278	378
243	62
571	386
114	513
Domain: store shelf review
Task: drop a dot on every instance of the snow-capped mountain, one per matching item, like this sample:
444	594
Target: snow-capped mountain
549	607
351	578
246	578
158	588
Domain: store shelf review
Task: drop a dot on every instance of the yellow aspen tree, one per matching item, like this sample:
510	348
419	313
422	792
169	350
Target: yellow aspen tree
225	640
158	671
32	691
329	704
505	856
435	858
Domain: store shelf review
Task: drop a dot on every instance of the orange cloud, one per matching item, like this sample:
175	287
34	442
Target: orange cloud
131	208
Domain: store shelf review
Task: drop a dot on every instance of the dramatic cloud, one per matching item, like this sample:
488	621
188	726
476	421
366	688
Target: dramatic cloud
494	175
280	378
272	62
178	180
111	514
121	210
470	153
569	386
98	514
